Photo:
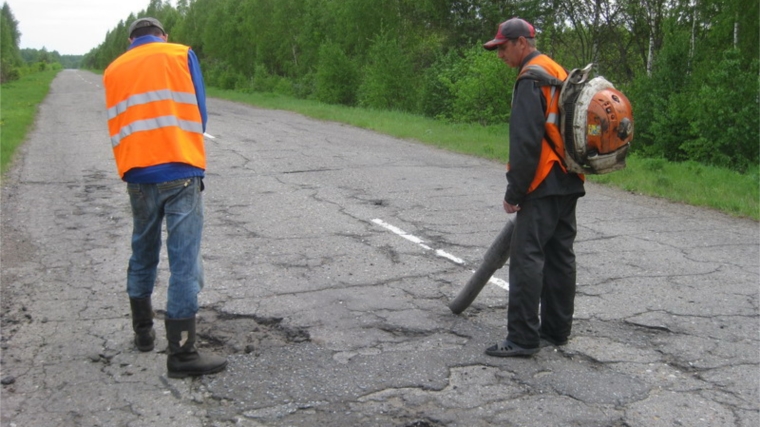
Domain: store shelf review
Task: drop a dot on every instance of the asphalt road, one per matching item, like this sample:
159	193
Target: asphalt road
331	254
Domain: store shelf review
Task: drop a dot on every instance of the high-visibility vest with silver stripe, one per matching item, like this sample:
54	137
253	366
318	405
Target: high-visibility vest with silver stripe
153	114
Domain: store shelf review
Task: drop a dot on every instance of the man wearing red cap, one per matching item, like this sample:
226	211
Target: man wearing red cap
543	194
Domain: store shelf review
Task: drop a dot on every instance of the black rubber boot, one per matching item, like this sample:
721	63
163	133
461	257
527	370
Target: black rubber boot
183	359
142	323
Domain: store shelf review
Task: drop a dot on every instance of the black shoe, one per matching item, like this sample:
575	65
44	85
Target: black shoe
507	348
547	341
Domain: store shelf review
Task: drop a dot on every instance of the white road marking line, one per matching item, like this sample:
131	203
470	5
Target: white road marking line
448	256
416	240
207	135
412	238
498	282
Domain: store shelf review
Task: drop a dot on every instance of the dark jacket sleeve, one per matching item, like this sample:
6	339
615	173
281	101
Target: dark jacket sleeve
526	131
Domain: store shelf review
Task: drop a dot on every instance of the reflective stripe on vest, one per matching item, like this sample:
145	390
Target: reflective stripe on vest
156	95
157	123
553	117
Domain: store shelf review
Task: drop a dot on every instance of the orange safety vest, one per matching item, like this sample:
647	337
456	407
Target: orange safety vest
549	150
153	116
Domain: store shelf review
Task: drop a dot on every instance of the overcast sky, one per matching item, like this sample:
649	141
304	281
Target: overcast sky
72	27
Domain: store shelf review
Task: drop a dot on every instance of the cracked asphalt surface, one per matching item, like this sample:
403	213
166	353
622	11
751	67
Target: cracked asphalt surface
331	320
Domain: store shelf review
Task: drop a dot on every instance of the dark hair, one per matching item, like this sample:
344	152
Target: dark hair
146	31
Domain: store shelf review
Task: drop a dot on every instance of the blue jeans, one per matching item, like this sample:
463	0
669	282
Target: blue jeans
180	202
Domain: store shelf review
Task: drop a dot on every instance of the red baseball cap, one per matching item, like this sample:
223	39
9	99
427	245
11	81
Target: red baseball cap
509	30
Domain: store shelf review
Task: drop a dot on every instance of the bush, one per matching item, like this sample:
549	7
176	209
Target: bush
389	81
337	78
220	74
472	88
283	86
670	128
303	87
262	81
659	102
706	112
481	86
725	116
8	72
436	98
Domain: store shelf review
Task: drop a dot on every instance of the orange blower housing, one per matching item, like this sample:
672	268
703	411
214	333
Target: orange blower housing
597	123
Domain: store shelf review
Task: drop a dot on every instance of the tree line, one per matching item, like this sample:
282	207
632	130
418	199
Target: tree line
10	55
15	62
690	67
44	56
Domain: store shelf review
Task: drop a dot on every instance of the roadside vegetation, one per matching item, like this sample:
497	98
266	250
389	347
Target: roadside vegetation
19	100
25	76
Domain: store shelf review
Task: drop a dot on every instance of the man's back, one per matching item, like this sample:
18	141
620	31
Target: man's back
153	112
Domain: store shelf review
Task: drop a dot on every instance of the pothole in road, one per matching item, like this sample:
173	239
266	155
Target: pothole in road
232	334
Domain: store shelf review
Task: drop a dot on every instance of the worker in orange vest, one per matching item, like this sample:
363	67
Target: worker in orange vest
156	104
543	195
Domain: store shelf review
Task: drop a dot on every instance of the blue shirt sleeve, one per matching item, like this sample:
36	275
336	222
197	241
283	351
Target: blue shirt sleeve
200	88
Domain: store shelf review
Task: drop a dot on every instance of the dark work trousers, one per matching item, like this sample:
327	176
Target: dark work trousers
542	270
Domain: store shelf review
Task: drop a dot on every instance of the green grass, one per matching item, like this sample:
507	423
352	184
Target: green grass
481	141
691	183
18	108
